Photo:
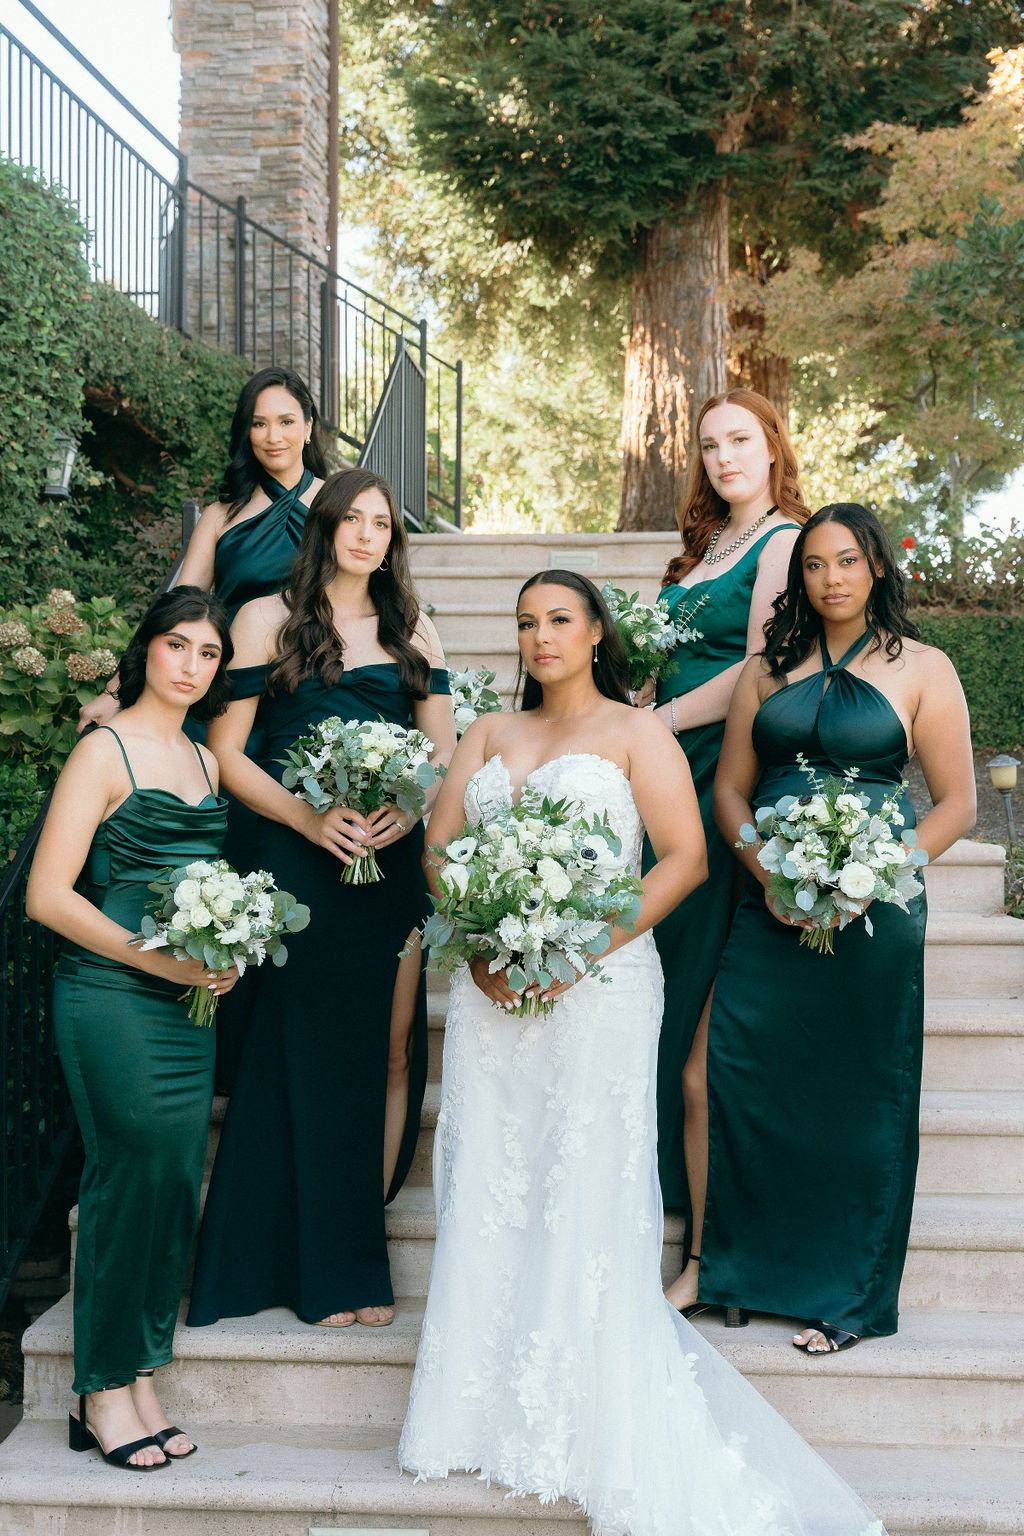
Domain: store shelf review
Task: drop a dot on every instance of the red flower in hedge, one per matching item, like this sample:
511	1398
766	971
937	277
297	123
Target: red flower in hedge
917	575
908	542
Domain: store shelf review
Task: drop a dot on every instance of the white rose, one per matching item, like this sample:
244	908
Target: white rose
187	894
848	803
856	881
455	877
373	760
464	717
559	841
554	879
221	907
199	870
200	916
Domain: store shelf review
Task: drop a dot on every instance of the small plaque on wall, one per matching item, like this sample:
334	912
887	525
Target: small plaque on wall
572	559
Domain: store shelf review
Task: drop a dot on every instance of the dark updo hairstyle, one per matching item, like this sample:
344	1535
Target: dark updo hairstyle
611	673
242	475
795	627
308	641
181	605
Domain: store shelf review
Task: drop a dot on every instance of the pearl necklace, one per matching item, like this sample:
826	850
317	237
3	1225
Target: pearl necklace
710	558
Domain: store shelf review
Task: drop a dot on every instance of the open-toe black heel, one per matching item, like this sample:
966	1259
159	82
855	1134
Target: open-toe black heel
696	1307
81	1438
161	1436
736	1317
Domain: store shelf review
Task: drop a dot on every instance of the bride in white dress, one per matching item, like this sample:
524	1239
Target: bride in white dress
550	1361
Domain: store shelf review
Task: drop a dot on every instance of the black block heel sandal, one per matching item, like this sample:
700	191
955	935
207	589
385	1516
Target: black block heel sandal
161	1436
81	1438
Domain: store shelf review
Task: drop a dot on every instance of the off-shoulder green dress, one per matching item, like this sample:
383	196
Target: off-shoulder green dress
295	1212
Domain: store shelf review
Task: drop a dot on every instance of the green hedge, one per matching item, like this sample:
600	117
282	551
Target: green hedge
987	650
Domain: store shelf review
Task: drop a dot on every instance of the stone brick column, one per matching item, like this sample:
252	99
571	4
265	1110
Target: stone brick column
254	123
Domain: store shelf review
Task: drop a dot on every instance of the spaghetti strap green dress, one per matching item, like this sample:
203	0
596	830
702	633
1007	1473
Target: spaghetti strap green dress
691	939
141	1080
814	1060
295	1212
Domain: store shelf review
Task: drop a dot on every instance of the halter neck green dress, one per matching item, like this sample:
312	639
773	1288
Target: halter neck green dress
295	1212
814	1061
691	939
255	557
141	1080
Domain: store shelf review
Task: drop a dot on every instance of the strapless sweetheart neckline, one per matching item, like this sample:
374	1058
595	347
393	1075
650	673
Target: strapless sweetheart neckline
594	757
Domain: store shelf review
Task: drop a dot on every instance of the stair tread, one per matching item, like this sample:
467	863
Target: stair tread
948	926
973	1016
979	1111
336	1470
932	1344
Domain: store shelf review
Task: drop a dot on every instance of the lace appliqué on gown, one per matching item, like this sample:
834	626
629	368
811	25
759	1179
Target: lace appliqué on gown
550	1362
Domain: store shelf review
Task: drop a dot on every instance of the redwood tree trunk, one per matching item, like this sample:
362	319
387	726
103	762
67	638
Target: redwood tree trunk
675	356
751	365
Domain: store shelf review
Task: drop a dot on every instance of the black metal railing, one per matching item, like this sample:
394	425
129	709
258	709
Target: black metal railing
38	1118
390	449
204	266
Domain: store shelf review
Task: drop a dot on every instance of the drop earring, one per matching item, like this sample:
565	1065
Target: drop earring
595	655
384	565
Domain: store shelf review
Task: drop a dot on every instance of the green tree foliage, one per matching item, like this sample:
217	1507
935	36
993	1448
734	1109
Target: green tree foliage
619	138
928	335
44	286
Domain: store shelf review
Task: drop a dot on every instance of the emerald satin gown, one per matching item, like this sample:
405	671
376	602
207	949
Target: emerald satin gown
691	939
141	1080
295	1211
814	1060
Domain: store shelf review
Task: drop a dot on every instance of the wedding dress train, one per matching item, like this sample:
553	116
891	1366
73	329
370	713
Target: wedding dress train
550	1361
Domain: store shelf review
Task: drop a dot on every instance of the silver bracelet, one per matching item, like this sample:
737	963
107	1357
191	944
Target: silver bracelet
672	707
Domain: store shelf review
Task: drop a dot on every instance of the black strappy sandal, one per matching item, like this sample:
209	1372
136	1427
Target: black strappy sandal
837	1340
161	1436
81	1438
735	1317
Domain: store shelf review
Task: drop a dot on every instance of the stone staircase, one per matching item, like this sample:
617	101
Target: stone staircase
299	1426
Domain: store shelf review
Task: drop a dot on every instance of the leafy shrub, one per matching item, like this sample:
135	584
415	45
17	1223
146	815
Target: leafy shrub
22	793
987	650
979	574
1015	879
54	656
44	288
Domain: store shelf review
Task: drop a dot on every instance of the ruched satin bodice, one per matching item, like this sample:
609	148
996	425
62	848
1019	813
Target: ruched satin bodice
254	557
150	832
837	720
361	693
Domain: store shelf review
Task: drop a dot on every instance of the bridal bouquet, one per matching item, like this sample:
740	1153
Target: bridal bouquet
472	695
829	854
209	912
536	889
361	764
648	634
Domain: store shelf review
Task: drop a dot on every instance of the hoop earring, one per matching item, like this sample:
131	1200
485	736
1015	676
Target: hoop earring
384	565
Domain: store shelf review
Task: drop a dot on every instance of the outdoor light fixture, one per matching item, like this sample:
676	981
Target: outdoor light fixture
58	471
1003	773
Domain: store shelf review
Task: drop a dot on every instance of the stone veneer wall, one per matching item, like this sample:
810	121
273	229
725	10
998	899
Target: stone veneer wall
254	105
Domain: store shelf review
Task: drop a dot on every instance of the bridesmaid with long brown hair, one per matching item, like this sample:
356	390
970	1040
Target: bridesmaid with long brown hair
740	519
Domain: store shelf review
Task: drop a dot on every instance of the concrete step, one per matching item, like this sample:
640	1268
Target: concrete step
946	1379
968	956
967	878
973	1043
596	555
497	590
972	1143
286	1479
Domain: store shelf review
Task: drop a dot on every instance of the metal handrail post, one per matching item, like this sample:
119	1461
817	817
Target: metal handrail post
240	276
181	246
458	443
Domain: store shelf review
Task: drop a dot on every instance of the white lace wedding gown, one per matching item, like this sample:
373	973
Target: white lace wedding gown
550	1361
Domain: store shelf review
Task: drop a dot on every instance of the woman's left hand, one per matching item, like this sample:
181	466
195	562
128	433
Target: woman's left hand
388	824
558	987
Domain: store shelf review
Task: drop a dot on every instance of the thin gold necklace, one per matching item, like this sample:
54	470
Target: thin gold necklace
710	558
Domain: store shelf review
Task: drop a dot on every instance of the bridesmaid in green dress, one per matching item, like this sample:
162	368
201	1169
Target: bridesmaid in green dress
126	807
814	1061
323	1120
741	515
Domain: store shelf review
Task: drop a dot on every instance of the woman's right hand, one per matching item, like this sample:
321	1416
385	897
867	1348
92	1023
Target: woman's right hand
644	696
98	711
341	831
494	984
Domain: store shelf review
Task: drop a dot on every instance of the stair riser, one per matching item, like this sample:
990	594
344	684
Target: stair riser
500	589
974	1062
941	1279
864	1411
58	1520
964	888
603	556
949	1165
979	970
971	1165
